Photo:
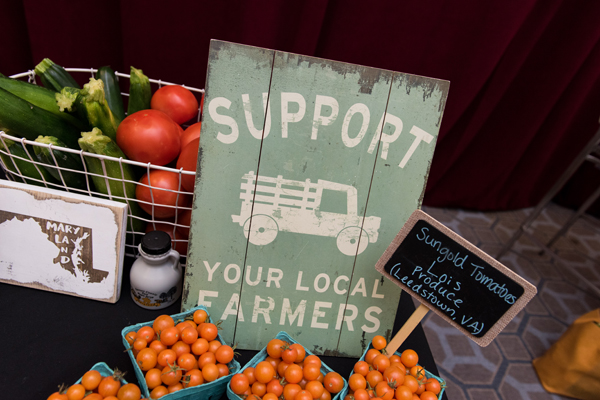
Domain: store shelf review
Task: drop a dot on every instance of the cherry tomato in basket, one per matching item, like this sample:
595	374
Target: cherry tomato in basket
187	160
264	372
91	379
149	136
333	382
76	392
433	385
378	342
162	189
171	375
224	354
428	396
190	133
176	101
409	358
129	391
109	386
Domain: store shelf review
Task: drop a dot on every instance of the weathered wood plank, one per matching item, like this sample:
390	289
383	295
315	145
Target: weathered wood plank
416	105
229	148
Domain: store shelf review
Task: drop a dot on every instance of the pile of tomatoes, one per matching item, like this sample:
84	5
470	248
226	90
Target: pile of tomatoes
384	377
156	136
286	373
174	355
94	386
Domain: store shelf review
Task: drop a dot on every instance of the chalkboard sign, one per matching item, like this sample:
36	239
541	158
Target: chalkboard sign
458	281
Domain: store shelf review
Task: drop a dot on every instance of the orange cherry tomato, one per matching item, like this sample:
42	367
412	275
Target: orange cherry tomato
264	372
210	372
357	381
239	383
181	348
275	347
378	342
162	322
371	354
189	334
200	346
250	374
293	373
169	336
333	382
192	378
153	378
315	388
146	359
91	379
291	390
147	333
224	354
200	316
409	358
129	391
433	385
76	392
381	362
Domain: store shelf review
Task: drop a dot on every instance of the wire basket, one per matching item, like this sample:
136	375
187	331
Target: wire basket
177	227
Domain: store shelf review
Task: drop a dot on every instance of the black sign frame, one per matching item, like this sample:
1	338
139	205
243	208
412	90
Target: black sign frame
465	286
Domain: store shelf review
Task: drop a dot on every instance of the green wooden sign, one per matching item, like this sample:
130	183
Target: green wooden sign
308	168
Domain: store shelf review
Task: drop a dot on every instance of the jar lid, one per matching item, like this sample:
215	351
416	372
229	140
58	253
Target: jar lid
156	242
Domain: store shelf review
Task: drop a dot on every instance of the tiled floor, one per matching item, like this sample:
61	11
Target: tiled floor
503	369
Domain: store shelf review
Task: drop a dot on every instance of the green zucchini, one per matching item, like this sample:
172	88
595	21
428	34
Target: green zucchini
22	166
20	118
70	169
140	92
112	91
53	76
91	104
65	99
39	96
119	181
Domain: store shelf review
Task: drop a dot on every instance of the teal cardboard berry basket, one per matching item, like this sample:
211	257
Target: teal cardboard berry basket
427	375
207	391
261	355
105	371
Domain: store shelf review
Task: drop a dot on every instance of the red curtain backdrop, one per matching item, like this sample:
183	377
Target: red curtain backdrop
525	74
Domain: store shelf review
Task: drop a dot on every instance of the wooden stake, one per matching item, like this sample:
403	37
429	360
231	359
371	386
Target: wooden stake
406	329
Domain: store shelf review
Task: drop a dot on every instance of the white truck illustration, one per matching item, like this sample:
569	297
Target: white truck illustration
277	204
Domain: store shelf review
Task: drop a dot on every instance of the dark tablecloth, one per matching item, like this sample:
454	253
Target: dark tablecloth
49	338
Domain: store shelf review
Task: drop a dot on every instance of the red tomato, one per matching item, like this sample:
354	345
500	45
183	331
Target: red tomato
187	160
184	218
180	130
176	101
176	238
149	136
192	132
165	185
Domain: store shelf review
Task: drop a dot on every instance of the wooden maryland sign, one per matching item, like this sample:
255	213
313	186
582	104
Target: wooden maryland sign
61	242
307	170
471	290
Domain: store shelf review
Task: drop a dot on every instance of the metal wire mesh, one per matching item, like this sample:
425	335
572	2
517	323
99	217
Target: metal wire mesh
177	226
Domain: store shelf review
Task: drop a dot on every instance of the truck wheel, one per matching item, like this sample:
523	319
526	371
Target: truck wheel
348	241
262	230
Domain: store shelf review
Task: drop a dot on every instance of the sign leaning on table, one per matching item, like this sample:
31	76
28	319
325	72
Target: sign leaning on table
61	242
461	283
307	170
